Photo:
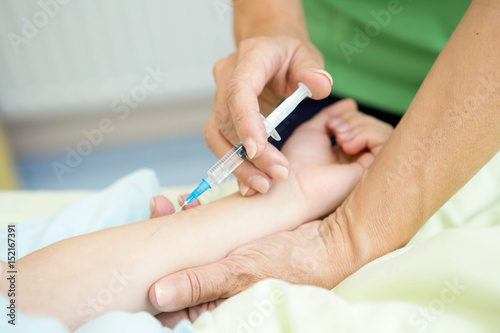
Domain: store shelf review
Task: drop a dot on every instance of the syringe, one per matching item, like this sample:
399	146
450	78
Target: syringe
233	158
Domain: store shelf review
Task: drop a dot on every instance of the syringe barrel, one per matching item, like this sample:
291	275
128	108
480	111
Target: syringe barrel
226	165
288	105
233	158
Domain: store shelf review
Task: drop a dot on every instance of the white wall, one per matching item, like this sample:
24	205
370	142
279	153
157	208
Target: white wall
63	59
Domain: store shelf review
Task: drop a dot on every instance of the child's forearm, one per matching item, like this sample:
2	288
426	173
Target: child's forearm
82	277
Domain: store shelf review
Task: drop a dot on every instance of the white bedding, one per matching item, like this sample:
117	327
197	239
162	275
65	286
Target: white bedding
446	283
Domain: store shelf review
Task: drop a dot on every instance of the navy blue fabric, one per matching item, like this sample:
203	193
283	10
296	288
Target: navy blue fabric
310	107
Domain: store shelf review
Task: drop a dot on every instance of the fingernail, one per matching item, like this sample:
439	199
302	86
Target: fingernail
324	73
180	200
250	147
260	183
278	172
152	206
342	128
244	189
165	293
346	136
335	122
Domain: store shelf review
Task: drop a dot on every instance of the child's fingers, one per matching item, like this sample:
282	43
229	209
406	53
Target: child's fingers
338	108
182	199
352	119
160	206
355	131
366	138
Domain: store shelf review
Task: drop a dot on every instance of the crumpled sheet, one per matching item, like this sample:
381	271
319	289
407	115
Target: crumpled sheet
446	280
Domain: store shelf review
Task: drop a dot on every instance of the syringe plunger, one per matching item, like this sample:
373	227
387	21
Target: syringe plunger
233	158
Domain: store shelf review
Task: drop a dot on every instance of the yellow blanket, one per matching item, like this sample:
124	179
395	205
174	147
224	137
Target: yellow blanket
446	280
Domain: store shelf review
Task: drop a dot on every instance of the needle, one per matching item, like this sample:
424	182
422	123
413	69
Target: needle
180	208
236	155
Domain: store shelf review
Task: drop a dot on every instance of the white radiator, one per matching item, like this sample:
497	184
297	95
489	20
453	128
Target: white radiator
67	57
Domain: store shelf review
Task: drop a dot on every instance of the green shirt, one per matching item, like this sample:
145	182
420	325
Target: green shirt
379	51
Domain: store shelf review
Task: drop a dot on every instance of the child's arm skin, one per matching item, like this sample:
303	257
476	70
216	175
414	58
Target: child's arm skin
66	279
82	277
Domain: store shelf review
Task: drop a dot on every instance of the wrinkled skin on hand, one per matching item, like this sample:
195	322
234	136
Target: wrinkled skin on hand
252	80
306	255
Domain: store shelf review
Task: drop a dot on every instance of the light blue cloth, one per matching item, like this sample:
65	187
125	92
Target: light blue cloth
126	201
447	281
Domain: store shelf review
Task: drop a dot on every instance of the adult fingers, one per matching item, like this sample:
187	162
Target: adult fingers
306	67
240	79
171	319
259	62
221	116
246	173
272	162
198	285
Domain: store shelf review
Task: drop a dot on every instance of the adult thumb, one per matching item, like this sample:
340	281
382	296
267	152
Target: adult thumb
307	67
191	287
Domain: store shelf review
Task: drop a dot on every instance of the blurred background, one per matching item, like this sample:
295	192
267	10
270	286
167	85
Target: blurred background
92	90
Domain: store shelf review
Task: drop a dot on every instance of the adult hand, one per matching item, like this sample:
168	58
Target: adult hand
161	206
303	256
311	254
299	256
255	79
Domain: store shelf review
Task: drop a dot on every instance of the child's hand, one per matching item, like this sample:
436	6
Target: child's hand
322	175
326	174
